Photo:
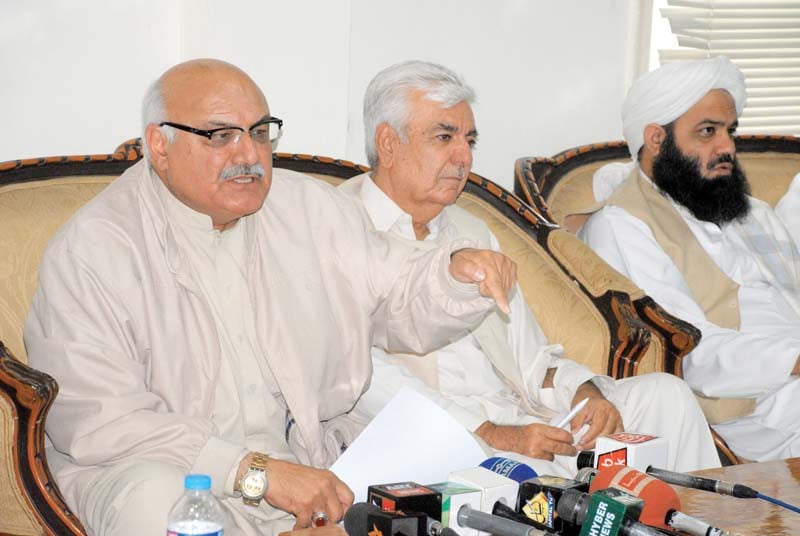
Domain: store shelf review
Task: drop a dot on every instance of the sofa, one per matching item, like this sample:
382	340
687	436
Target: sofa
601	318
562	184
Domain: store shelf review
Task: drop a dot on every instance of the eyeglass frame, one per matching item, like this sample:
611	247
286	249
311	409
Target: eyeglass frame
208	133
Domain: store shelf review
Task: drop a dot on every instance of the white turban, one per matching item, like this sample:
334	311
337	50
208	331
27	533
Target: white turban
663	95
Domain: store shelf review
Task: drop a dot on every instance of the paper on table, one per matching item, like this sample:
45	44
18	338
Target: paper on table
411	439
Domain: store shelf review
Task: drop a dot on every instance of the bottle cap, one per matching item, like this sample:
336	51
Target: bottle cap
201	482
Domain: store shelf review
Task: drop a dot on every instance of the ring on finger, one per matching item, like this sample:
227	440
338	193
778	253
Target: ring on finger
319	519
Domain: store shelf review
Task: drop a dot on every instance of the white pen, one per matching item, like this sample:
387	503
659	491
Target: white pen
571	415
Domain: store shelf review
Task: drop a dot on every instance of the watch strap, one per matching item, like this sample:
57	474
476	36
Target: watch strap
258	462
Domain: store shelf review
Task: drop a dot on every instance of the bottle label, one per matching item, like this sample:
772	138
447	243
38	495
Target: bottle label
194	528
193	533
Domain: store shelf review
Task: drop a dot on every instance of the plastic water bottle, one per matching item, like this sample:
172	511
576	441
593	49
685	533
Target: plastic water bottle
197	512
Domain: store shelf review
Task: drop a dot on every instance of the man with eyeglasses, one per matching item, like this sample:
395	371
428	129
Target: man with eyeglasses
187	319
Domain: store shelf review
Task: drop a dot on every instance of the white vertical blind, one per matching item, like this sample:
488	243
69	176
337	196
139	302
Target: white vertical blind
762	37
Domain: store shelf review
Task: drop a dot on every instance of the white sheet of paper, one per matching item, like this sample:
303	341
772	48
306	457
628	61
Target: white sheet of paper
411	439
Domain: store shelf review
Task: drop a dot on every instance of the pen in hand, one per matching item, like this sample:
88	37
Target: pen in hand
571	415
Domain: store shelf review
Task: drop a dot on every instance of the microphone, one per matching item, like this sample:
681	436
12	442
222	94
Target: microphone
538	497
509	468
661	503
492	487
437	529
702	483
625	448
363	518
406	497
610	512
692	526
658	497
503	510
499	526
716	486
454	496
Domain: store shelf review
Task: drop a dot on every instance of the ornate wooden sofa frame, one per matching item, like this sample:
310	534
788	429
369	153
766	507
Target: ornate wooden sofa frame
579	301
562	184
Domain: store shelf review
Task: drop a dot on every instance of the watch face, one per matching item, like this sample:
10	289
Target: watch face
254	484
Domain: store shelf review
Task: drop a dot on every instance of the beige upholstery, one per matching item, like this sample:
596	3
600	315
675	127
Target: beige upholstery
580	302
26	232
16	517
549	290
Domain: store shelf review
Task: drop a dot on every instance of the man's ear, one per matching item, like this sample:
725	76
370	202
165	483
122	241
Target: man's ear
386	140
654	136
157	144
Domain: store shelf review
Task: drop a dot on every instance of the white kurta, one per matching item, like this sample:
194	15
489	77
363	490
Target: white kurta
788	209
461	379
754	361
143	341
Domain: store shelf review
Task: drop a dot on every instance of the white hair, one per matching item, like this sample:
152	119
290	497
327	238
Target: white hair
386	98
154	111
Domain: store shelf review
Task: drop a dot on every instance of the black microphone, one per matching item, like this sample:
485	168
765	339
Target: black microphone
360	518
503	510
499	526
610	512
364	518
702	483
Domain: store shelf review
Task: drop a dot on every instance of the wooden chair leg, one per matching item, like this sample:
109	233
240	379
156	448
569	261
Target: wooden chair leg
726	455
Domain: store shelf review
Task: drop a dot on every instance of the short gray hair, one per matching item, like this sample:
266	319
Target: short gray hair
386	98
154	111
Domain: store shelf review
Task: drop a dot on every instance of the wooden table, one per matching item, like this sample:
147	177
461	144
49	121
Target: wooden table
750	517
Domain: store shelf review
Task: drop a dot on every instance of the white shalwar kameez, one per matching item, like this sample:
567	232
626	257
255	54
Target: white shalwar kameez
461	379
754	361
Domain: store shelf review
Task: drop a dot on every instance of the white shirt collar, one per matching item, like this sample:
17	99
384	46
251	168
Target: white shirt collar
386	215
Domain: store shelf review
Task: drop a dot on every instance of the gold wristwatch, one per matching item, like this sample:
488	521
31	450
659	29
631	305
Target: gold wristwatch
254	482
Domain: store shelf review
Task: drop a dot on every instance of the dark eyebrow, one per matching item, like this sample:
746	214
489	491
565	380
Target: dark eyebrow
715	122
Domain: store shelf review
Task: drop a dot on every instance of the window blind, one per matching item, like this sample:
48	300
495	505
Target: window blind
762	37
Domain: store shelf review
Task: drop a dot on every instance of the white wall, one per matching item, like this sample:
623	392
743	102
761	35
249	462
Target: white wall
550	74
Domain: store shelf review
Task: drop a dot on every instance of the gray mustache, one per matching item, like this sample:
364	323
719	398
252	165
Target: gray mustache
239	170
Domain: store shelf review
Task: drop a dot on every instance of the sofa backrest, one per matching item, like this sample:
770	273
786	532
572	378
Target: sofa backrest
562	184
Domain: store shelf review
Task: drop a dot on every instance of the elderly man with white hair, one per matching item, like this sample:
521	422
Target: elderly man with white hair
682	226
503	380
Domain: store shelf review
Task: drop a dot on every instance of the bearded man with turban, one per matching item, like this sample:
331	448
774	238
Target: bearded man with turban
679	222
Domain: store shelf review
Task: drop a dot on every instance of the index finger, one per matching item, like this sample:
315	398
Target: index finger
495	290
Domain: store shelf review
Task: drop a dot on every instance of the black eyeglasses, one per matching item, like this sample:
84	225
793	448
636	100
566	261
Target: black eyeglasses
265	131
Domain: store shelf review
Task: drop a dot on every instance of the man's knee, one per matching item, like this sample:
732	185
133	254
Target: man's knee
134	499
664	386
657	392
